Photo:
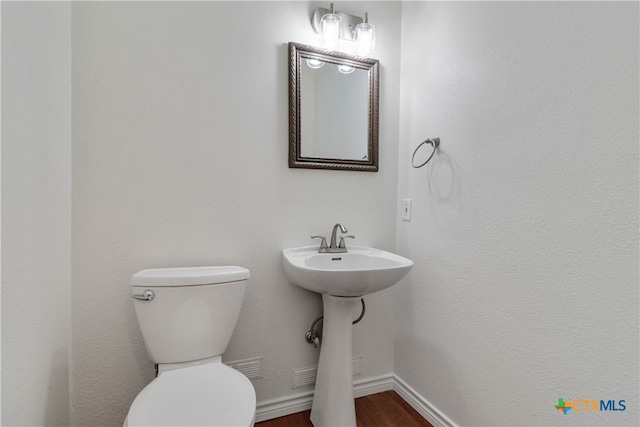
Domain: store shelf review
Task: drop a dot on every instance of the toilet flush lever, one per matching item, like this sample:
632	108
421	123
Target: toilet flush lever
147	295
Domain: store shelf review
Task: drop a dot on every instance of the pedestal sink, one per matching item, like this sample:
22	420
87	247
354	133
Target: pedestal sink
342	279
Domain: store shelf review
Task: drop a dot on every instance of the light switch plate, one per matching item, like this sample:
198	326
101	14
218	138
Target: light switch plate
406	210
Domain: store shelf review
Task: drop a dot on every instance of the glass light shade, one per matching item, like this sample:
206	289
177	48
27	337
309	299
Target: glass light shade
365	39
330	25
315	63
345	69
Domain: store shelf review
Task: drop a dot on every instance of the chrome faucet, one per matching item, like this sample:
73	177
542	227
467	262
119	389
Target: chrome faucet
333	247
333	235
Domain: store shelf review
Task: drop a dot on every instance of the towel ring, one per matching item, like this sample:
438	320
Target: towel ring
435	141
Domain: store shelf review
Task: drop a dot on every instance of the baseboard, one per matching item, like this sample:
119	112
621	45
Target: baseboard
282	406
425	408
368	386
287	405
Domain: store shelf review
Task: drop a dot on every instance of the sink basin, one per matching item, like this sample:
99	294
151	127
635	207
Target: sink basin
360	271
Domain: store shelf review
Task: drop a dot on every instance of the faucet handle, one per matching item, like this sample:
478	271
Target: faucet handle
342	244
323	243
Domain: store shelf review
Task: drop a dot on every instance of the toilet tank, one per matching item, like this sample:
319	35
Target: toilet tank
193	312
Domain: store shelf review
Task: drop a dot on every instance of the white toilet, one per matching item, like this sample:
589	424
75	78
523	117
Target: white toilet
187	317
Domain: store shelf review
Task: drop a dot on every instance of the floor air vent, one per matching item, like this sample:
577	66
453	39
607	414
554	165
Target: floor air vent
307	376
251	368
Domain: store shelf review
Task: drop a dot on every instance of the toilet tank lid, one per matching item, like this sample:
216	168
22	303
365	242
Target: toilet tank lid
189	276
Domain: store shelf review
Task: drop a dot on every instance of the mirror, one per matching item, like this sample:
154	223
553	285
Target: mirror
333	110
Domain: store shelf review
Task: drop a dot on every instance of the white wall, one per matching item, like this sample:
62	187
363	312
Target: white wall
524	227
36	213
525	224
180	143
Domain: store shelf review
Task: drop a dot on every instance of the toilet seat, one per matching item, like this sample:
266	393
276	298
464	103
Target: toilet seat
212	394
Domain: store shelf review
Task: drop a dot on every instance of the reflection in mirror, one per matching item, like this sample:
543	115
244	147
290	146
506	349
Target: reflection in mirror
333	110
330	127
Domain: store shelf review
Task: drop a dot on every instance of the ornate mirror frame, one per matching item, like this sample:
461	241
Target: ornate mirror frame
298	53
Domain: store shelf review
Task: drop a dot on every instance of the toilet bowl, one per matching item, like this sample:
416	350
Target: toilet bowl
187	317
211	394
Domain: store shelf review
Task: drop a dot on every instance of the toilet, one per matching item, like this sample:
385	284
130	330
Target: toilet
187	317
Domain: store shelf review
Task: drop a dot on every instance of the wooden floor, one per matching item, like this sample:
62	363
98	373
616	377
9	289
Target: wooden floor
385	409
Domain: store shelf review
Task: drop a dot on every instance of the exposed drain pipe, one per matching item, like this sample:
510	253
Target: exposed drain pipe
313	337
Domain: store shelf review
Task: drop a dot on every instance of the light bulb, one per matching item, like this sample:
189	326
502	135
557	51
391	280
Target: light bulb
345	69
330	25
365	37
315	63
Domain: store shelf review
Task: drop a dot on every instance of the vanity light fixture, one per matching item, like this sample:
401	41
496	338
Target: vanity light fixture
330	30
343	32
365	37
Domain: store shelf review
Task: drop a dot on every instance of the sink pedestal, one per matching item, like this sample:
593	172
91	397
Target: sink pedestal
333	403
